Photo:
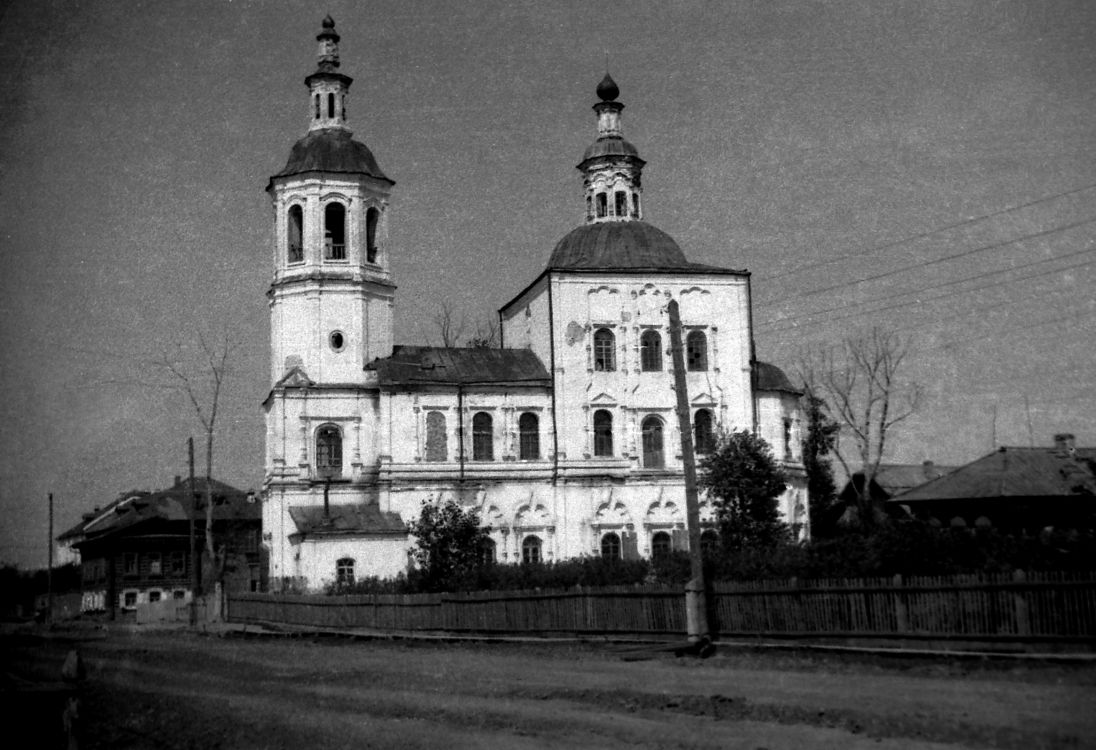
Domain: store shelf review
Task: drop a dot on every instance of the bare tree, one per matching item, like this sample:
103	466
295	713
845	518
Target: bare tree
450	328
204	394
861	385
486	335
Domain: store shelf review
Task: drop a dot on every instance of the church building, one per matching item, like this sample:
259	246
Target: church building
564	438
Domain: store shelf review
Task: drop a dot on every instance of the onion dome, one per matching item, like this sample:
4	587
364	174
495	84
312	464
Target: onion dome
618	244
607	90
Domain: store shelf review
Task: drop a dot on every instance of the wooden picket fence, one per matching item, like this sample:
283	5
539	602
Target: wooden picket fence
1017	607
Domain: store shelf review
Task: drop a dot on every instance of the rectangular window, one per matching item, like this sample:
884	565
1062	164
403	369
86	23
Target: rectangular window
155	564
129	599
129	564
602	204
153	596
178	594
621	204
176	562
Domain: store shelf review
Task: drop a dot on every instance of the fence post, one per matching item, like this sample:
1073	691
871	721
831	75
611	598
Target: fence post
901	608
1020	604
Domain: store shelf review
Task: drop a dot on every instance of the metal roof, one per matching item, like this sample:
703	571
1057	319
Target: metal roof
621	245
425	365
772	378
331	150
1014	472
345	519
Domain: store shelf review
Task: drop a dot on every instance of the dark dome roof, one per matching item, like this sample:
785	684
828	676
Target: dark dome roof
331	150
618	244
610	146
607	90
772	378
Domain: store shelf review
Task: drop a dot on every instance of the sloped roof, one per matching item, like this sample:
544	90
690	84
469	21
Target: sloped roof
426	365
1014	472
610	145
171	504
772	378
345	519
331	150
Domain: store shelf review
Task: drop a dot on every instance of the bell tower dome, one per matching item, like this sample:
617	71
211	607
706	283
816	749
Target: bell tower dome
332	294
611	167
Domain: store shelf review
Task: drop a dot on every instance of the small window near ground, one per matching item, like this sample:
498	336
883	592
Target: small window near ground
531	549
154	596
129	599
178	594
610	546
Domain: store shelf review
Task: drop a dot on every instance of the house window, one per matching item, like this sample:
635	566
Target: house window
620	201
178	594
662	544
295	230
334	231
488	552
696	352
635	205
530	549
652	443
371	218
604	350
602	205
154	596
483	443
129	599
709	543
436	448
155	564
603	433
650	351
344	571
610	546
129	564
176	563
703	436
529	437
329	450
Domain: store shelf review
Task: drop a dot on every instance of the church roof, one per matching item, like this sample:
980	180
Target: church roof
621	244
344	519
425	365
610	146
331	150
772	378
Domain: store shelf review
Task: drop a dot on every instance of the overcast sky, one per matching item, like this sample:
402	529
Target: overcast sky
930	168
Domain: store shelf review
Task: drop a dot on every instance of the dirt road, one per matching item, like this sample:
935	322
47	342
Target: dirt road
178	690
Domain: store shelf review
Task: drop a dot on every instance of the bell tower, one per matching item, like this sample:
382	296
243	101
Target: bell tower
611	168
332	294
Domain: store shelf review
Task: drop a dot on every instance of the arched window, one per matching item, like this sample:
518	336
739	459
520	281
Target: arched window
650	351
316	98
329	450
620	201
371	218
295	231
330	105
530	549
610	546
709	543
603	433
604	350
602	204
696	351
589	207
334	235
342	105
787	439
662	544
488	552
529	437
635	205
483	443
652	443
344	571
436	447
703	436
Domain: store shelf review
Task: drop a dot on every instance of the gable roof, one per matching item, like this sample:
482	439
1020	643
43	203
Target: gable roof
344	520
1014	472
426	365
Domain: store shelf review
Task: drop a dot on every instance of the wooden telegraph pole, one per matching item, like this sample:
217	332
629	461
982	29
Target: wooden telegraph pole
696	610
49	570
195	581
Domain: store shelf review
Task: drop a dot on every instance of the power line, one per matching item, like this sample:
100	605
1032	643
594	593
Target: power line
930	233
944	259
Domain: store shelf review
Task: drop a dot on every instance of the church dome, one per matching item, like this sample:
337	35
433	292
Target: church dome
331	150
618	244
610	146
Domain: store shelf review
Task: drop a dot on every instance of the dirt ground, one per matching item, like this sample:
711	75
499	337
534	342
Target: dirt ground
183	690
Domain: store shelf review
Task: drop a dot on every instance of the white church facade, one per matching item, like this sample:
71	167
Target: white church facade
564	438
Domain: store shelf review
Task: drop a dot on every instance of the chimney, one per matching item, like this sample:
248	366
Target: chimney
1065	442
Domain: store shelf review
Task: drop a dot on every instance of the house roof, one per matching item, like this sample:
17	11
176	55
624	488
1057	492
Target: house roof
1014	472
892	479
345	520
772	378
171	504
426	365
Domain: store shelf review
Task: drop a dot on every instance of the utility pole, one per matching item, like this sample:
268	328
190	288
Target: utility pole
696	610
195	580
49	570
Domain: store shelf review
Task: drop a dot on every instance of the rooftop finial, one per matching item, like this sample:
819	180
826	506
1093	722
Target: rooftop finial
607	90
